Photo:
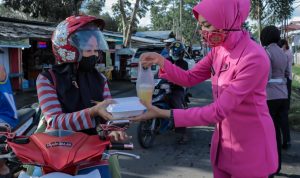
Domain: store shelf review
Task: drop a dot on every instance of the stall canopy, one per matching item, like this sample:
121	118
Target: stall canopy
21	43
125	51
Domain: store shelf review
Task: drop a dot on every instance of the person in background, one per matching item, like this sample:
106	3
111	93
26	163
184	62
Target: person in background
277	94
177	51
285	129
166	51
244	140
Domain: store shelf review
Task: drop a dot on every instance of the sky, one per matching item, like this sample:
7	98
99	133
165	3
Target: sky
147	21
143	22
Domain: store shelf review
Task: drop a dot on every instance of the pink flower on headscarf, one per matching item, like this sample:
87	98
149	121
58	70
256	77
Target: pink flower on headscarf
223	14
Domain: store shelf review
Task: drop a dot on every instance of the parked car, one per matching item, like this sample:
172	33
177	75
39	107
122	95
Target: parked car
152	48
136	58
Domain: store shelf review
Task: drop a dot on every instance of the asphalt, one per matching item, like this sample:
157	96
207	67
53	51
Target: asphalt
121	89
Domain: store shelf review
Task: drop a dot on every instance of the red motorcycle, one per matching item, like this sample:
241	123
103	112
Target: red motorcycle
63	153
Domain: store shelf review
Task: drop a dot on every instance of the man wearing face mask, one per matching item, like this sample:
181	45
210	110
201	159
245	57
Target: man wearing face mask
73	95
176	54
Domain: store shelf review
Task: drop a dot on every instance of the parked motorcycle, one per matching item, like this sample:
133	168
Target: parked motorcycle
147	130
29	117
62	153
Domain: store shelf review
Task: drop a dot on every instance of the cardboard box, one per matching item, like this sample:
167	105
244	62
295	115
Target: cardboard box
126	107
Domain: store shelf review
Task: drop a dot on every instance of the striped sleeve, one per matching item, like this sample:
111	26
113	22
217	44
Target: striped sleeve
106	93
52	110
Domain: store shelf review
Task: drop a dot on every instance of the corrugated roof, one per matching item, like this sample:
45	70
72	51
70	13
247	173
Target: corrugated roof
154	34
134	38
17	30
21	29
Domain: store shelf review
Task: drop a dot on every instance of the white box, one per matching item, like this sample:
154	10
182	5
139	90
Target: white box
126	107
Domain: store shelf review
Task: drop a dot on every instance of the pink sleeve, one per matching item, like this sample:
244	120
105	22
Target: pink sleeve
246	81
200	72
52	110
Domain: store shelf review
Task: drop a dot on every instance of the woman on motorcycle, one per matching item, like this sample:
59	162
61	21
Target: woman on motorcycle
244	143
73	95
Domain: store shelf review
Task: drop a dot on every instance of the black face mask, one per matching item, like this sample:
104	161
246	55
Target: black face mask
87	63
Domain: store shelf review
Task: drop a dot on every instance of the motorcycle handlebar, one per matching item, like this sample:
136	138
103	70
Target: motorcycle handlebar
121	146
118	123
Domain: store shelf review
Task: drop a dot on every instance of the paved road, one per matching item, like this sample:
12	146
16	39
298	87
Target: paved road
169	160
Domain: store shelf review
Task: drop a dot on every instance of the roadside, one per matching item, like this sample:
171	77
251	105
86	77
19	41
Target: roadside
294	114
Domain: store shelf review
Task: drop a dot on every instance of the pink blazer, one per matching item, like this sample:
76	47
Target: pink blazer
243	143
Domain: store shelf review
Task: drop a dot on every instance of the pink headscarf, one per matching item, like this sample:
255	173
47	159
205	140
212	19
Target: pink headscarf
223	14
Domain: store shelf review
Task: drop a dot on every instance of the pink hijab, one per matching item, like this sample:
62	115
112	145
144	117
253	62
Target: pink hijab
223	14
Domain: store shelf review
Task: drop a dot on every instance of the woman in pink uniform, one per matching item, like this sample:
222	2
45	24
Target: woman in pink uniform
244	142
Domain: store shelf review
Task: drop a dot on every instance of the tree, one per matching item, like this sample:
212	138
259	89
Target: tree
270	11
111	23
8	12
283	11
92	7
165	15
129	14
50	10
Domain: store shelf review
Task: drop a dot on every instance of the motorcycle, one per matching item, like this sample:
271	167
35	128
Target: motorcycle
29	117
62	153
147	130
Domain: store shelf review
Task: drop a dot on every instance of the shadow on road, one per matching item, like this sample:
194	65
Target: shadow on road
168	159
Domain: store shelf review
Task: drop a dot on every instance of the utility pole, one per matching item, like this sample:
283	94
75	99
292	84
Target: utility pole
174	26
180	19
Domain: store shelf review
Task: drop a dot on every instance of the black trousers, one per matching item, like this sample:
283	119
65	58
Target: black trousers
278	111
284	125
289	88
176	101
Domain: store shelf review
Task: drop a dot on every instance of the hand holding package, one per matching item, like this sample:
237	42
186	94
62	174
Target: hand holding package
126	107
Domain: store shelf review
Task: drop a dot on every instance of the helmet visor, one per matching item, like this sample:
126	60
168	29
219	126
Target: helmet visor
89	39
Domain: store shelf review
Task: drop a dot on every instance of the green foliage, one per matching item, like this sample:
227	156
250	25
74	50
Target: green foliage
50	10
296	69
145	28
111	23
283	9
270	12
9	12
143	8
165	15
92	7
53	10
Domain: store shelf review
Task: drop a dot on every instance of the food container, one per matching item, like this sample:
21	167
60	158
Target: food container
126	107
